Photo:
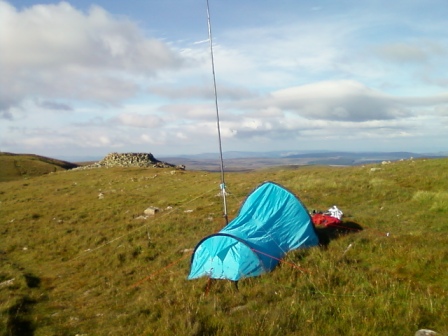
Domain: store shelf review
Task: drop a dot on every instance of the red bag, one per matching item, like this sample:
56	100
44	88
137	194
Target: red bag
325	220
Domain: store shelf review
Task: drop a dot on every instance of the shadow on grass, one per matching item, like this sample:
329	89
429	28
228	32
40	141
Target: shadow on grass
328	233
19	318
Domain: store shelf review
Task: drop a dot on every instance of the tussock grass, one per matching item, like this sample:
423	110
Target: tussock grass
435	201
74	262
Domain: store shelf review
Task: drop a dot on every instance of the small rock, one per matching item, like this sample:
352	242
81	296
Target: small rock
151	211
238	308
7	282
425	332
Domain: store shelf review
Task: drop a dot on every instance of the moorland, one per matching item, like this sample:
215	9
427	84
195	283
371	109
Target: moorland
79	256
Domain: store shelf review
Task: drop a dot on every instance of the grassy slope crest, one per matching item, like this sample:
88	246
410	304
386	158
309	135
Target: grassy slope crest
19	166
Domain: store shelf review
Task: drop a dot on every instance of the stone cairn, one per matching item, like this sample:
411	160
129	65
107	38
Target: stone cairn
131	160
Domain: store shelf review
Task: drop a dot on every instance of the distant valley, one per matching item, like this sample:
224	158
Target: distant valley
241	161
233	160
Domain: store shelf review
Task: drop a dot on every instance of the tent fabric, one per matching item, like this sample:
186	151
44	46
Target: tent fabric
271	222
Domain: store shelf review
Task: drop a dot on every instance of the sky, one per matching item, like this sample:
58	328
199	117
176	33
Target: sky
87	78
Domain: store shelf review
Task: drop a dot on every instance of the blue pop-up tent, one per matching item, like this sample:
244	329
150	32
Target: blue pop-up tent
271	222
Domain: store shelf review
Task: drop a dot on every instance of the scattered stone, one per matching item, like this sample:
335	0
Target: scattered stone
188	211
7	283
425	332
238	308
100	196
375	169
151	211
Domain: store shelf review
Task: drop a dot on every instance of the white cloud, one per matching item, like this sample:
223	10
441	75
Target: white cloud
441	110
350	75
403	52
190	92
57	51
138	120
334	100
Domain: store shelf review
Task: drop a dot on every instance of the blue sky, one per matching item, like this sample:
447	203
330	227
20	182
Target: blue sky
86	78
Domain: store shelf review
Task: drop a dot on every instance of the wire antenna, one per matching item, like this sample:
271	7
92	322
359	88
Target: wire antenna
223	185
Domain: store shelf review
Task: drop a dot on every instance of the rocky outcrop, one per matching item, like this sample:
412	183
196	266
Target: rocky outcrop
131	160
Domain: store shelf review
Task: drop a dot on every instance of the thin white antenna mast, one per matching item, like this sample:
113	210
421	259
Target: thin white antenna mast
223	185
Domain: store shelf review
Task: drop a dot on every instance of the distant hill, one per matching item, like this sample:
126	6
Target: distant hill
246	160
240	161
18	166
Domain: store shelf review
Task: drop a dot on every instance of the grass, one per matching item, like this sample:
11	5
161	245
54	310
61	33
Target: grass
17	166
73	262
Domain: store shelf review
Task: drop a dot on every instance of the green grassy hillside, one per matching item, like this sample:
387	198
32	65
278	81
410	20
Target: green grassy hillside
20	166
78	256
